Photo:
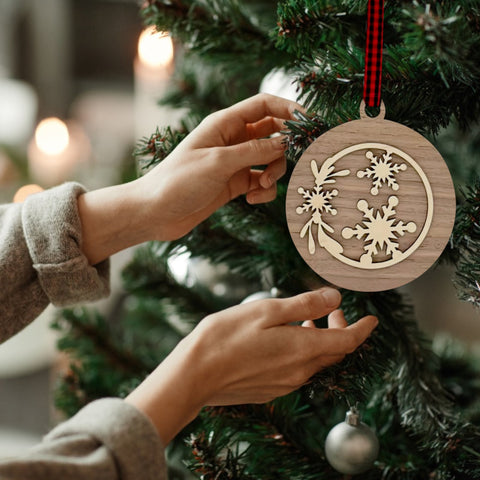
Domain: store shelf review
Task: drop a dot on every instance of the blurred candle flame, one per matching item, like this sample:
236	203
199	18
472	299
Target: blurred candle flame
155	49
25	191
51	136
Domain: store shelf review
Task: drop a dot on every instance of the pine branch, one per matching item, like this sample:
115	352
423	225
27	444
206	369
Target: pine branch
99	364
152	150
459	149
214	460
309	26
276	436
301	133
465	240
216	29
352	379
93	330
431	68
204	87
414	94
449	440
430	37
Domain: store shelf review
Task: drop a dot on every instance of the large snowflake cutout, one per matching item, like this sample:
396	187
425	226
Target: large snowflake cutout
381	230
382	171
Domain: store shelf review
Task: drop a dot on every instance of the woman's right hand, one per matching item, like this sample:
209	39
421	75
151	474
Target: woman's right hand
249	353
252	354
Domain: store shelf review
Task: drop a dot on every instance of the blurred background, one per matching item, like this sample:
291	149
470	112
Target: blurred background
75	94
77	89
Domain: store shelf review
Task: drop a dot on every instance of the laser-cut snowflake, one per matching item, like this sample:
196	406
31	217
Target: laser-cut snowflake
318	201
382	171
381	230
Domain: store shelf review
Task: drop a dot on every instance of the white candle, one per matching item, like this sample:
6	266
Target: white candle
56	151
153	68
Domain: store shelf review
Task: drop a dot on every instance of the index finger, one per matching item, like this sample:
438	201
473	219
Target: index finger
262	105
305	306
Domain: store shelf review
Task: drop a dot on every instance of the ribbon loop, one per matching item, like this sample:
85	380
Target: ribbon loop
372	85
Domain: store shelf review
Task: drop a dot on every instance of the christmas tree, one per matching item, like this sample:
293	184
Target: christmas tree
423	405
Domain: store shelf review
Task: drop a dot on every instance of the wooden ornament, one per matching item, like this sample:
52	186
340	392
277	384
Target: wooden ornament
370	204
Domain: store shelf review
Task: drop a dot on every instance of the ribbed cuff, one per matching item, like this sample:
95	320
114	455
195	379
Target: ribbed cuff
129	436
53	234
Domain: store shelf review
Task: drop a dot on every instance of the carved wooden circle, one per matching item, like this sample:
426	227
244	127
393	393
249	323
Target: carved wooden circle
370	205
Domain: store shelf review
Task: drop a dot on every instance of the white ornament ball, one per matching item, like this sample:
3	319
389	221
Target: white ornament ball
280	83
351	447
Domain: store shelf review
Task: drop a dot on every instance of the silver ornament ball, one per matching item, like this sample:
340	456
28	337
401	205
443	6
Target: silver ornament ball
351	447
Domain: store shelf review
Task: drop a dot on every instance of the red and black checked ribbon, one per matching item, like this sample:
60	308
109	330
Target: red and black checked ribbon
372	85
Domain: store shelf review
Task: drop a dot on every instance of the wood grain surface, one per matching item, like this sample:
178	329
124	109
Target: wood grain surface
370	205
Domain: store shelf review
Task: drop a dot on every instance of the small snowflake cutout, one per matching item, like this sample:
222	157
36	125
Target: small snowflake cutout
317	200
381	230
382	171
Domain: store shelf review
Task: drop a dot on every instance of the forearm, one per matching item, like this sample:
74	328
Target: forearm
173	394
112	219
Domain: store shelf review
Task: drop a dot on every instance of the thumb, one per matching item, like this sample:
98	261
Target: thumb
254	152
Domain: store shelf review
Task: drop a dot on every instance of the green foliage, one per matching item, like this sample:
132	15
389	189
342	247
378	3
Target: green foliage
466	241
101	360
220	30
152	150
431	62
202	87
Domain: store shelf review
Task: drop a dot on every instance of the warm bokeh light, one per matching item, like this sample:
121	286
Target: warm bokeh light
51	136
26	191
155	49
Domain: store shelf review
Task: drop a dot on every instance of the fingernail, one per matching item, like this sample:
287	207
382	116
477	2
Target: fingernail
266	181
281	142
331	296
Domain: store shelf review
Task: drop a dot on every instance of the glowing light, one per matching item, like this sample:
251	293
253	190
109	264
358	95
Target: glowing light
51	136
25	191
155	49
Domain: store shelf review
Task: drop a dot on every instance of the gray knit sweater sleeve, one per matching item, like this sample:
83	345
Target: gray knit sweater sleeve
107	440
41	262
40	258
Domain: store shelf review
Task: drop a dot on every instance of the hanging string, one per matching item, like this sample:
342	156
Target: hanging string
372	85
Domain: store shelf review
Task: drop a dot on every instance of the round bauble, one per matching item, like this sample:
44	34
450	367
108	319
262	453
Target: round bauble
351	447
370	204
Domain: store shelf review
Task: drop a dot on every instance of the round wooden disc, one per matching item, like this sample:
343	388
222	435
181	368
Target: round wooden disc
370	205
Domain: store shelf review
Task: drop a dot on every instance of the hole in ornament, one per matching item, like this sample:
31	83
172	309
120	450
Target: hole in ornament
372	112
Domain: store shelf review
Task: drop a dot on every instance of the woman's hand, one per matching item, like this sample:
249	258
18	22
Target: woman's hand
209	168
248	354
213	165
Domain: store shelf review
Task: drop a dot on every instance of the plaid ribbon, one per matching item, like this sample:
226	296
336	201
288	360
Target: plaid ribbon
372	85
